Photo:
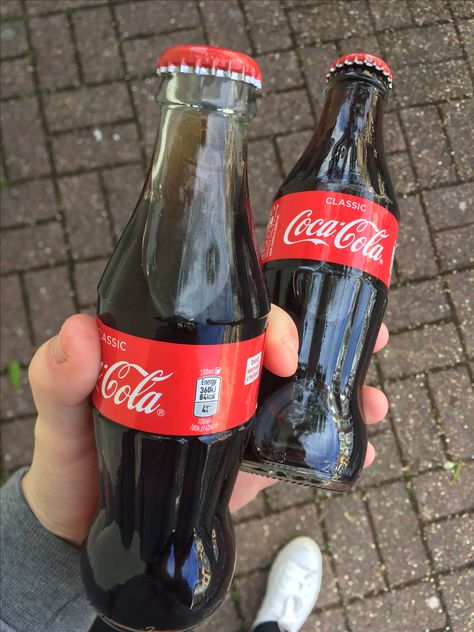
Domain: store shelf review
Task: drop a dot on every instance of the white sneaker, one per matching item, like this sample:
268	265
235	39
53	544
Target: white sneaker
292	586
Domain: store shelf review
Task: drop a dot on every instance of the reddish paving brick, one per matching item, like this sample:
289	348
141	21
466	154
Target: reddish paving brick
84	150
87	223
451	246
53	52
330	21
401	172
251	591
16	401
421	349
50	299
25	153
10	9
87	275
387	463
416	609
89	106
411	47
268	25
38	7
458	118
393	136
17	440
225	25
439	494
330	621
17	78
225	618
15	342
316	61
454	397
357	565
13	38
123	186
285	495
148	112
451	542
147	18
462	8
391	14
280	71
424	83
97	45
417	303
429	146
450	206
291	147
26	248
264	178
363	42
458	589
27	203
276	108
461	287
398	534
429	11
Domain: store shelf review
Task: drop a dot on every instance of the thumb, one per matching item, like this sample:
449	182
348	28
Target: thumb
281	343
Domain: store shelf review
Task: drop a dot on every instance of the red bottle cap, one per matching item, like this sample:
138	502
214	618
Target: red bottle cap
210	60
362	59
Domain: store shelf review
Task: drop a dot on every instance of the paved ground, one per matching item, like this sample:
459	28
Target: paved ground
78	120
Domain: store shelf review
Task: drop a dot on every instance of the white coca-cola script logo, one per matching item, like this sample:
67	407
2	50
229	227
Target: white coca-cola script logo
358	235
143	397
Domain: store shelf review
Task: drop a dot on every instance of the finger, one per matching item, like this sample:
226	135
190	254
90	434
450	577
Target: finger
247	487
369	455
382	338
281	343
64	370
374	404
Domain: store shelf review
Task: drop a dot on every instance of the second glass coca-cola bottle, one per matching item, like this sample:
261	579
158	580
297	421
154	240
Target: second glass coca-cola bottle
327	259
182	313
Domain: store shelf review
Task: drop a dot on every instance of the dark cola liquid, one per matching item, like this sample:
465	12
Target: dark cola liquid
309	428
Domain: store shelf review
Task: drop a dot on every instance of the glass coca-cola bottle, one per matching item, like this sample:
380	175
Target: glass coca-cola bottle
327	259
182	313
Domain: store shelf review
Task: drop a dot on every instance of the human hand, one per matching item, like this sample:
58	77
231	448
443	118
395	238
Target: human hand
61	487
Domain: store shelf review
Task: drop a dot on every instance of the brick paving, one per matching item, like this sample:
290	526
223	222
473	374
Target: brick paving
78	121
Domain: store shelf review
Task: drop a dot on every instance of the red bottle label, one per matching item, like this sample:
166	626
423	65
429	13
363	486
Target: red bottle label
335	227
177	389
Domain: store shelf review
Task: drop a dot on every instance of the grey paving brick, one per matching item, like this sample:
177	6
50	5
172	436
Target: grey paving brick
123	186
415	255
38	7
352	546
251	591
254	509
330	20
421	349
461	286
53	52
97	44
87	276
316	61
285	495
225	25
87	223
439	494
10	9
453	247
428	145
416	429
411	47
458	589
291	147
330	621
450	206
85	150
13	38
401	173
425	83
393	136
387	463
452	542
225	618
398	533
88	106
268	25
17	440
16	401
141	54
280	71
25	150
264	179
50	299
147	18
17	78
15	342
276	108
462	8
148	111
26	203
417	303
367	43
458	118
429	11
25	248
419	604
391	14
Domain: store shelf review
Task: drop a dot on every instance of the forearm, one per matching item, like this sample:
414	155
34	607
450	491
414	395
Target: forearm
41	584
